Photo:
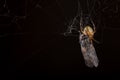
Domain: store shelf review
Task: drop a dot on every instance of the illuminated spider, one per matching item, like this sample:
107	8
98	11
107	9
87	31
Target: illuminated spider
88	31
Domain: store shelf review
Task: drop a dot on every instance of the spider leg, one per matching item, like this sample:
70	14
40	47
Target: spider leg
96	41
94	28
81	23
81	30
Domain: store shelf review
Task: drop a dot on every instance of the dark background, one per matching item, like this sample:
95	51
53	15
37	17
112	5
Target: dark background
32	43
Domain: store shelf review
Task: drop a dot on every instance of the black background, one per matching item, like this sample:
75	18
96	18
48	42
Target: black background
32	43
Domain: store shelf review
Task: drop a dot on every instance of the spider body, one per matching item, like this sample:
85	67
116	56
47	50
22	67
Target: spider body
88	31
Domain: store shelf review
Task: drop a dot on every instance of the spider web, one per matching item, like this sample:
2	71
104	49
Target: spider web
104	14
18	13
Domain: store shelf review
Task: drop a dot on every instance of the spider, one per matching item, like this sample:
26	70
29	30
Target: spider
89	31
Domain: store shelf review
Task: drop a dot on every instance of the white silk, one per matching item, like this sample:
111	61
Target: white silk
88	51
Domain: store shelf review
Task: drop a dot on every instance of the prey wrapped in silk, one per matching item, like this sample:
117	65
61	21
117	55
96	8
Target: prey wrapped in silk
88	51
